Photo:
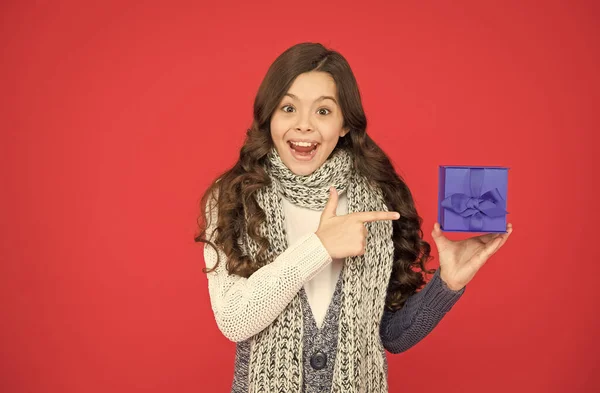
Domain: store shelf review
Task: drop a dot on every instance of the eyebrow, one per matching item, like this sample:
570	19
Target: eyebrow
318	99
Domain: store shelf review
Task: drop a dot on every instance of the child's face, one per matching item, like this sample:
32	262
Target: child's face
304	115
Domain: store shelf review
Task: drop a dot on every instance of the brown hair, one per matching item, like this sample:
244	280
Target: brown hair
232	191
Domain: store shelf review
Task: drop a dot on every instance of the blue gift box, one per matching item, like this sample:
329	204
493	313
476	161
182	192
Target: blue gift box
472	198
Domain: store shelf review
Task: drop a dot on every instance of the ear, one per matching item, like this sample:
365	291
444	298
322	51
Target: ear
344	132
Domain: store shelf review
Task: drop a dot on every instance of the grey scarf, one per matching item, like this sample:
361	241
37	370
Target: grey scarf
276	352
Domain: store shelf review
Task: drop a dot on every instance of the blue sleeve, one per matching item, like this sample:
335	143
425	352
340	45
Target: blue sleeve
402	329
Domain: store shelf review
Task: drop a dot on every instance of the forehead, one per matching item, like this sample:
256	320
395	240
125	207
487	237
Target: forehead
311	85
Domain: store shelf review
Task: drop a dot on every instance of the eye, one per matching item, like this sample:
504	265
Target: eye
284	108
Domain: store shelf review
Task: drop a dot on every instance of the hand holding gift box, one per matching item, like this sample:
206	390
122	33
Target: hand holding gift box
471	199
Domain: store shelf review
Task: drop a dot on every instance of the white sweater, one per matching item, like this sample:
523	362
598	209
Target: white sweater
245	306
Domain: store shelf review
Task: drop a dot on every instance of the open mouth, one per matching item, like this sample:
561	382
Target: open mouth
303	151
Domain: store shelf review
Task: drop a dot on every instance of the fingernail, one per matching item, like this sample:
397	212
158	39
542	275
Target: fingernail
397	215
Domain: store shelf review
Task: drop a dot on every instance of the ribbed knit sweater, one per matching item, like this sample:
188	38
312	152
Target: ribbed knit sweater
245	306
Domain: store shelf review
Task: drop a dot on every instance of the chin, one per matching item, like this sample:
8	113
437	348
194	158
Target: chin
301	169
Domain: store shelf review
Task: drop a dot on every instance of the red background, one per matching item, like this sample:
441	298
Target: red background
116	117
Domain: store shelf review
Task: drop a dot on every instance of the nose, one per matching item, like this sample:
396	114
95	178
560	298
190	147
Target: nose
304	123
303	128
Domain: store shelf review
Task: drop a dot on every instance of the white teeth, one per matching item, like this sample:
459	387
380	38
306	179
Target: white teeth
306	144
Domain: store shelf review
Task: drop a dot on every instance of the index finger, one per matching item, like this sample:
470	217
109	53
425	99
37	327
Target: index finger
375	216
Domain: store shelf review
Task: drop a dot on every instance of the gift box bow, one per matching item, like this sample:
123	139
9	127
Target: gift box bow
476	205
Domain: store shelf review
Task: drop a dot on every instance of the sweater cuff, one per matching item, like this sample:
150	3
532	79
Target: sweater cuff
310	255
440	297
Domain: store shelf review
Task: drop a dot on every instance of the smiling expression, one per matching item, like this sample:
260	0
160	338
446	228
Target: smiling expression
309	112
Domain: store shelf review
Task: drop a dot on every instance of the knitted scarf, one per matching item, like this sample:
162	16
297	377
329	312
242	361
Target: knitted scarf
276	363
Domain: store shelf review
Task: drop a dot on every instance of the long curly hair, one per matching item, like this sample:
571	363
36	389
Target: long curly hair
232	191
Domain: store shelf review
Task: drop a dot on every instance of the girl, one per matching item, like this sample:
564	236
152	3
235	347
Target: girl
314	283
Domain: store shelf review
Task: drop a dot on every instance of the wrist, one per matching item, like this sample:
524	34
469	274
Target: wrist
322	242
449	283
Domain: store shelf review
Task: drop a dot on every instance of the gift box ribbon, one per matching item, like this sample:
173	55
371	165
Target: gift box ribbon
477	205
